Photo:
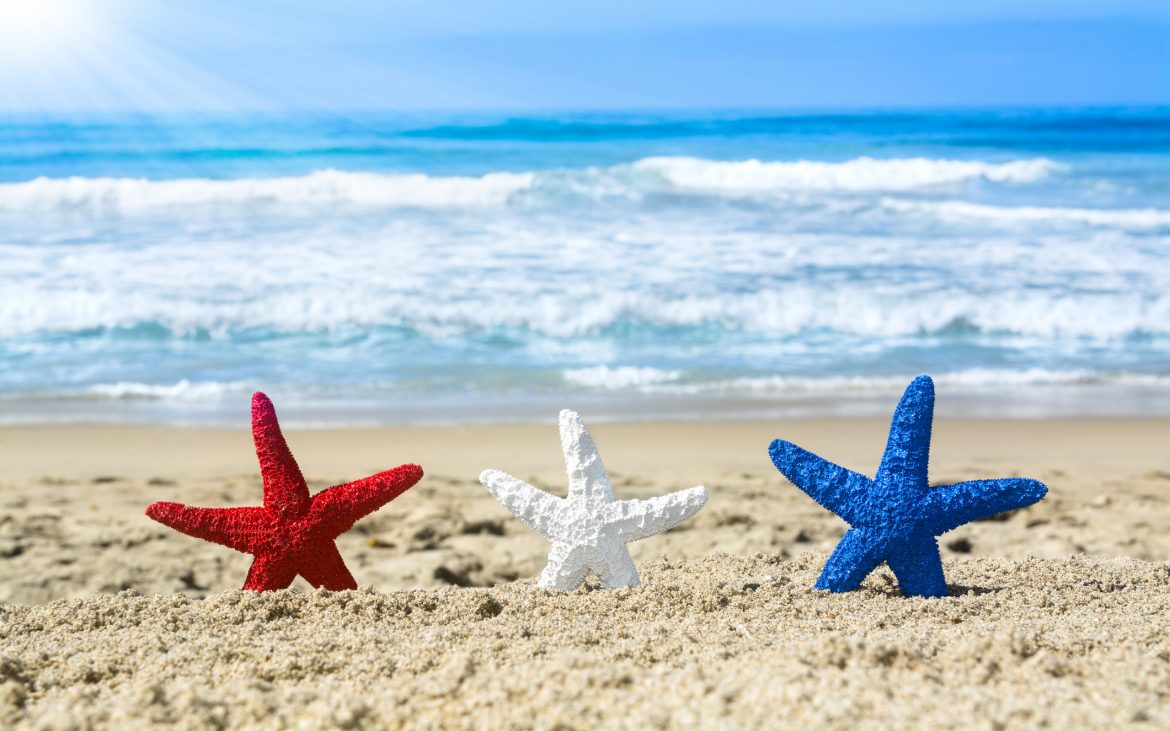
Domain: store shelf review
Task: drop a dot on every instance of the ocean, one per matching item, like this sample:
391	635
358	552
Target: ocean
394	268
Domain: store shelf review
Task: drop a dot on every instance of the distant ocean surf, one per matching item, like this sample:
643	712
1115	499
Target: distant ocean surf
403	269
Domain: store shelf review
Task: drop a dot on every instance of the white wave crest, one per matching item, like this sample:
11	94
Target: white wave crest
860	174
622	377
655	381
183	390
853	310
1137	218
336	188
974	379
325	188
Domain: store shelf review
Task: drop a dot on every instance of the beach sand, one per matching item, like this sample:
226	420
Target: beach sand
1060	614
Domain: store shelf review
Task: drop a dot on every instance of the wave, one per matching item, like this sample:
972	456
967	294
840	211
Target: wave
963	380
1089	128
375	190
787	310
860	174
325	188
183	390
607	378
642	380
1136	218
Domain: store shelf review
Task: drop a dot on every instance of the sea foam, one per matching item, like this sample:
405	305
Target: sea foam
1140	218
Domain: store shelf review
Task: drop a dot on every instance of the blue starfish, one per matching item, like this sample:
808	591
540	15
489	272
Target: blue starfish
896	516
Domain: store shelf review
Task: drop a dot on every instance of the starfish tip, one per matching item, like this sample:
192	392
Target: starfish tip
407	476
568	416
1033	491
411	472
162	510
923	383
779	450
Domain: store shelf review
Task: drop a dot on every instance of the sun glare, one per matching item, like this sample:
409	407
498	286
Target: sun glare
29	27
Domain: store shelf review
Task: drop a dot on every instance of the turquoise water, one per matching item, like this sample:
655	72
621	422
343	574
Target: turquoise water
381	269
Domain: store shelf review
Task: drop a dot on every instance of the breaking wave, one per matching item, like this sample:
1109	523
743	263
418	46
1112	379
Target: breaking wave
374	190
607	378
785	311
183	390
860	174
325	188
973	379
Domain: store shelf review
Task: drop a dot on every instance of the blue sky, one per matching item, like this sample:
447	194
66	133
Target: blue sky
134	55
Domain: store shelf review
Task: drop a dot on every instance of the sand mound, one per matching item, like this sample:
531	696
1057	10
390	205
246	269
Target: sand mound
724	641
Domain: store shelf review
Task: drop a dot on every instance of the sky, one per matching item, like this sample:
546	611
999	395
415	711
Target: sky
221	55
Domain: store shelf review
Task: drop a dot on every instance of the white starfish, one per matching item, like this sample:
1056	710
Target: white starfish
589	529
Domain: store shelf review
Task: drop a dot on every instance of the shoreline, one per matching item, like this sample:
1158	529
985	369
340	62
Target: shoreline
1010	402
159	448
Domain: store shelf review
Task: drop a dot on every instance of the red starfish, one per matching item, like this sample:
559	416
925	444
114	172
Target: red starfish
293	533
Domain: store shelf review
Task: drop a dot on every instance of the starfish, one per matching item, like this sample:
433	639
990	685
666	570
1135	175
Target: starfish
293	532
897	516
589	529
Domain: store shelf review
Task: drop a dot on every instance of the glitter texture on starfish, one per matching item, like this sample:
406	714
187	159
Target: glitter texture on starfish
897	516
589	529
293	532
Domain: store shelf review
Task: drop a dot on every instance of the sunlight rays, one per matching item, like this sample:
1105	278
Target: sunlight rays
82	55
31	28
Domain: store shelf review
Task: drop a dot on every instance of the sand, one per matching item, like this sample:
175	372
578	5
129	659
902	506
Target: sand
1059	615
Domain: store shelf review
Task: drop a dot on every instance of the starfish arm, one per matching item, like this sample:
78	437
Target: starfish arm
834	487
918	567
285	491
339	507
907	452
587	477
856	555
269	573
534	506
949	506
326	569
244	529
638	519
